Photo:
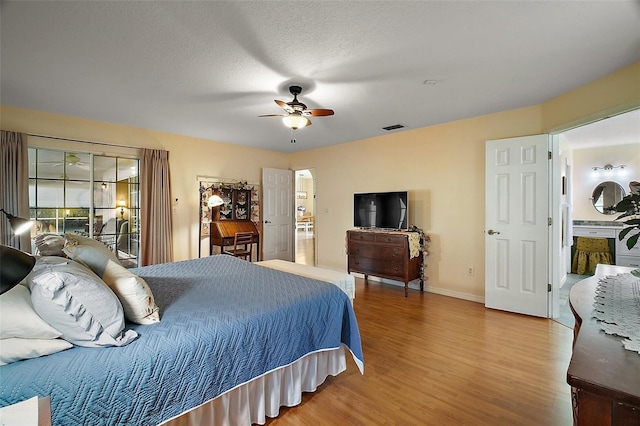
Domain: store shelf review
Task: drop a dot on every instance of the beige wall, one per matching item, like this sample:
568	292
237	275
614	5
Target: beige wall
441	166
584	181
188	158
612	94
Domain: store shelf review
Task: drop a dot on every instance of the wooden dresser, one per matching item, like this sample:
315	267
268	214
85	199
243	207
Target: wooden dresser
605	377
384	255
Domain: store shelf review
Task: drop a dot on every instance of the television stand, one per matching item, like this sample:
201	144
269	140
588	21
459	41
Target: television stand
395	255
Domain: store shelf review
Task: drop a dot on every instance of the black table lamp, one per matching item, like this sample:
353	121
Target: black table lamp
14	266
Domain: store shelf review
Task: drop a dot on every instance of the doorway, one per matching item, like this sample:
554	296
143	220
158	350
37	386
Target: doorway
305	212
584	152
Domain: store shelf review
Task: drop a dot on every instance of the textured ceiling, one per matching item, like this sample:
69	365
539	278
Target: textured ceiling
209	68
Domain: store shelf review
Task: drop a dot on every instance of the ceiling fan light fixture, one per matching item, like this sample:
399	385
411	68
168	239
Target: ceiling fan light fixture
295	121
72	159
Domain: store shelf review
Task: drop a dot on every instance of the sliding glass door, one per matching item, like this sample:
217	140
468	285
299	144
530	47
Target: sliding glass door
88	194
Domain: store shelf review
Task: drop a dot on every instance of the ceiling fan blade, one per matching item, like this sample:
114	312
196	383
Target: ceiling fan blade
273	115
319	112
285	106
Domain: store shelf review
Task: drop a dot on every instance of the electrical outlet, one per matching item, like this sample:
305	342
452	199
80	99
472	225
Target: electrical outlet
470	271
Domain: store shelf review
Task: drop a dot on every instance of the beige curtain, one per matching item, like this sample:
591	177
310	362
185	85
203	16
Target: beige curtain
155	208
14	186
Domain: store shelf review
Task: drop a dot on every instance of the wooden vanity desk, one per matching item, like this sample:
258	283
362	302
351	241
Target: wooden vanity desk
605	377
223	233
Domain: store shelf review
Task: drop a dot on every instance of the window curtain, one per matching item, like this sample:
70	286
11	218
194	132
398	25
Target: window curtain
155	208
14	186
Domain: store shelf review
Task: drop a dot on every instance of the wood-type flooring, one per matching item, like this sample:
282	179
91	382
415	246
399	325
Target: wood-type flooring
437	360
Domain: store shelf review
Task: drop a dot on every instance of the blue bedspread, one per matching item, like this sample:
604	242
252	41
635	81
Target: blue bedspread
223	322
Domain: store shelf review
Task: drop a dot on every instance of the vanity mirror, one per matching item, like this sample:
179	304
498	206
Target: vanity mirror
606	195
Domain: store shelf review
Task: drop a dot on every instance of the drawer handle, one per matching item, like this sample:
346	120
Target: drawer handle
395	269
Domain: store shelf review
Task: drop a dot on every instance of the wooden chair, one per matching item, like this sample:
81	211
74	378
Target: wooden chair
242	245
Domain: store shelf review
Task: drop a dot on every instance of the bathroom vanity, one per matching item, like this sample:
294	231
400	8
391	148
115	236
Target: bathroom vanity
610	230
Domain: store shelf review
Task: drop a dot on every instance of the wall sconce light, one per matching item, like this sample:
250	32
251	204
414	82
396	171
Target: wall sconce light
608	170
123	204
18	224
103	185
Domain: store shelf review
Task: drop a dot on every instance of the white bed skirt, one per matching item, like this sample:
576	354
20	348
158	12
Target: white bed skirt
262	397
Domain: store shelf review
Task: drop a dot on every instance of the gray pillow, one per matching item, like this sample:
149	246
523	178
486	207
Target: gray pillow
89	252
76	302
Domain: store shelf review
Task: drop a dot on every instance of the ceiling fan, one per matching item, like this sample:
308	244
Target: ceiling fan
70	159
297	112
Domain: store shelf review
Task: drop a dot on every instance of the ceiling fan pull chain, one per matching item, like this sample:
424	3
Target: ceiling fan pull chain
293	139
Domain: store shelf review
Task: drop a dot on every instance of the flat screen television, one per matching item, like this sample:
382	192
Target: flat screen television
384	210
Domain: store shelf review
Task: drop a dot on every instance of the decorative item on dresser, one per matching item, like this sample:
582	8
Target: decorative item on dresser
604	376
395	255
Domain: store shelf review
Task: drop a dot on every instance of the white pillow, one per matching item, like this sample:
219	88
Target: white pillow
15	349
18	319
75	301
134	294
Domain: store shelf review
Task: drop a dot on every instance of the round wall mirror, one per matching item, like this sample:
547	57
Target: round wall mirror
606	195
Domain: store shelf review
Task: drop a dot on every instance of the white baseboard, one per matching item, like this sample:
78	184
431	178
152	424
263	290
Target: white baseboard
436	290
456	294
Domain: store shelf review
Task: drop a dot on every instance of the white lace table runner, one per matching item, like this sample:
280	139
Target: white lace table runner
617	306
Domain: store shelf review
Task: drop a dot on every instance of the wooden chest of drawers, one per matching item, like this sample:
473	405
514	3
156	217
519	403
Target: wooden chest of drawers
384	255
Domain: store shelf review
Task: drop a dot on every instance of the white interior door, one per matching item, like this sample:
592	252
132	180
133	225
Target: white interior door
277	206
517	225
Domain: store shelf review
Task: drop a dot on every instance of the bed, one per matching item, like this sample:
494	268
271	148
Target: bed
236	341
345	282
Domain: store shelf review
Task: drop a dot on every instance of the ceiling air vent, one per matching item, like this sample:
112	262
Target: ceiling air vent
394	127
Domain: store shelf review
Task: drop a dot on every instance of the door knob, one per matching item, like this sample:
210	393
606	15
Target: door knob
491	232
267	221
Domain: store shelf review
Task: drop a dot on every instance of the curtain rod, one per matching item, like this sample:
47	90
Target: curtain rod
82	141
